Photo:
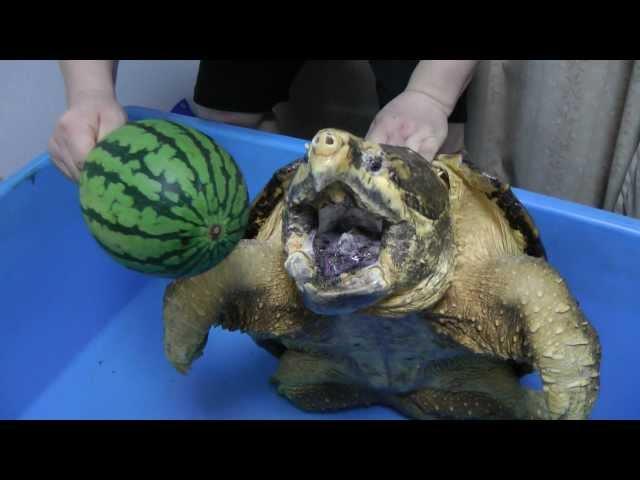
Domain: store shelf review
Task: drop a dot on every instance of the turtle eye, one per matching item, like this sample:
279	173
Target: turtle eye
373	164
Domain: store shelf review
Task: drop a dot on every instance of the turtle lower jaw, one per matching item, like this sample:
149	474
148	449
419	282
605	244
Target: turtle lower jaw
352	292
337	295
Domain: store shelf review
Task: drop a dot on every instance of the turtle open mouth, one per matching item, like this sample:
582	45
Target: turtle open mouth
336	239
346	237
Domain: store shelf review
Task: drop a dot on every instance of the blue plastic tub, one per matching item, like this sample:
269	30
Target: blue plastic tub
81	336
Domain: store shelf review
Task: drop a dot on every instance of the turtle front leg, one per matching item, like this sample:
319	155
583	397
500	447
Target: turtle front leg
520	308
249	280
564	347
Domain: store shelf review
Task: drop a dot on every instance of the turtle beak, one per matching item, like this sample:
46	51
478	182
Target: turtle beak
328	157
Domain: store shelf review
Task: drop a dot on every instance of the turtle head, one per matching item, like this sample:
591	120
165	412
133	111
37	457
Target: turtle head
364	223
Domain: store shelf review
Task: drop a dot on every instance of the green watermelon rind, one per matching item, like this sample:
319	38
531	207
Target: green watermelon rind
151	191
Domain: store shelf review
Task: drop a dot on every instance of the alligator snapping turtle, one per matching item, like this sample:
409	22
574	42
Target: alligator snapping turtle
377	277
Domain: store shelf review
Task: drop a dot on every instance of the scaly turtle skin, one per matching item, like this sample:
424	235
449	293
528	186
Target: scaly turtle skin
379	278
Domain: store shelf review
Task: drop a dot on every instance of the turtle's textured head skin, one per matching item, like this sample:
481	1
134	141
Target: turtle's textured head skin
364	223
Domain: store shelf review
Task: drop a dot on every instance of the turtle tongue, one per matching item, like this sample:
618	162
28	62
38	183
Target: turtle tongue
347	237
339	252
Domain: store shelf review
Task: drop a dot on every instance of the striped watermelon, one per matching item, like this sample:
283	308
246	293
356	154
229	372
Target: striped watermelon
163	199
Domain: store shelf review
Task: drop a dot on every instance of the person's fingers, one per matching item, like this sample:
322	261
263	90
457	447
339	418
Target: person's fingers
80	128
57	154
426	142
75	136
415	140
376	134
429	148
387	129
66	162
73	169
79	143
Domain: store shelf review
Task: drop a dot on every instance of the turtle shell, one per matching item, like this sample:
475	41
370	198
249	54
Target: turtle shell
272	193
514	211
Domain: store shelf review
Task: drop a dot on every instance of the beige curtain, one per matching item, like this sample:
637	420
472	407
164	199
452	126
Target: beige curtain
566	128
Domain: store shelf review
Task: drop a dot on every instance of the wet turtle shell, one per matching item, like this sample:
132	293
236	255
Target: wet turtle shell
272	193
514	211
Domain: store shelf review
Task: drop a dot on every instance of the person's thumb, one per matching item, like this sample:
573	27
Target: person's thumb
109	120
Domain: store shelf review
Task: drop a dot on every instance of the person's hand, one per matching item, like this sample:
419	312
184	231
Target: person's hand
412	119
90	117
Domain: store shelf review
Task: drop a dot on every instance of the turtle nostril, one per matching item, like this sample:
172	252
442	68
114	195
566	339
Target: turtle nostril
326	143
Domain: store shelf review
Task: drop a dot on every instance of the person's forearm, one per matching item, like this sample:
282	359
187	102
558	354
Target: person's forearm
88	76
442	80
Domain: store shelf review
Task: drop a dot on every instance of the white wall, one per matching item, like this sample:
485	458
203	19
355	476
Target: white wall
32	98
333	93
